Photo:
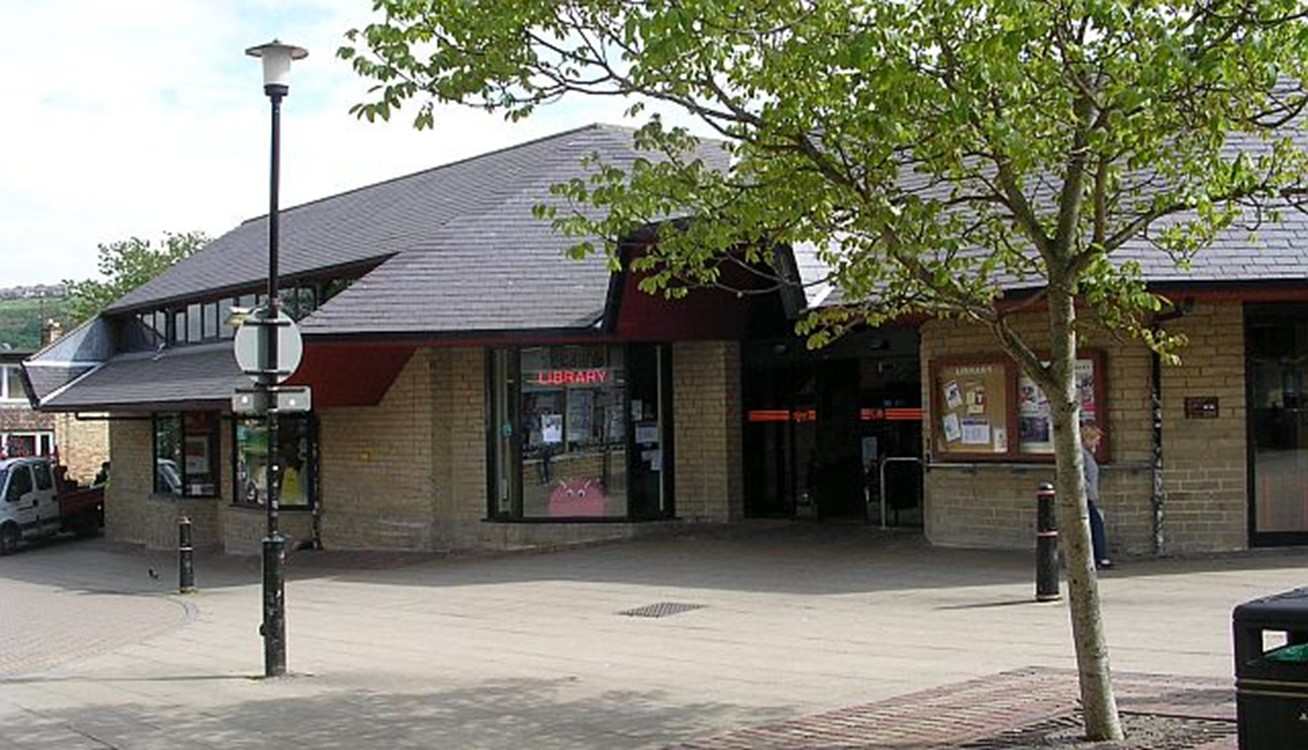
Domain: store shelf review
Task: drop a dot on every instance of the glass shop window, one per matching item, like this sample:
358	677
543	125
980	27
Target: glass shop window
186	454
573	440
294	452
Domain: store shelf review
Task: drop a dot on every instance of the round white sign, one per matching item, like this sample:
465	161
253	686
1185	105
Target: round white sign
249	346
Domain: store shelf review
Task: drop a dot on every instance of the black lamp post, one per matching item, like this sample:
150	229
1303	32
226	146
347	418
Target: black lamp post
276	59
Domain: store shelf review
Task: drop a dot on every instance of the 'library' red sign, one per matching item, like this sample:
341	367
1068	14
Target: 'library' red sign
594	376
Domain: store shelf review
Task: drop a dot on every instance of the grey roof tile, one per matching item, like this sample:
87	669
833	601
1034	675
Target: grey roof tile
496	269
70	357
46	379
360	225
459	247
185	375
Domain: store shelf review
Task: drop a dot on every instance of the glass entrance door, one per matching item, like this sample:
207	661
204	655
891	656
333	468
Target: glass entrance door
818	428
1277	351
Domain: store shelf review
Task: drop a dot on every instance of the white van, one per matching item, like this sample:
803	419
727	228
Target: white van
29	504
32	506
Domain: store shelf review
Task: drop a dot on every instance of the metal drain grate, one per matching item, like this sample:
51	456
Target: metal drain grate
1143	732
662	609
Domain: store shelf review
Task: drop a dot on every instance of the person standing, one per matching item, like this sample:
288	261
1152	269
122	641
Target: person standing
1090	437
101	476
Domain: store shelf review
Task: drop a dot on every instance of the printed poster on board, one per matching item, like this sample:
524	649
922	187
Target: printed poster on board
973	404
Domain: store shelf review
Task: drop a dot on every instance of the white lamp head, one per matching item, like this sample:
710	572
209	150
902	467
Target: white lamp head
277	59
236	316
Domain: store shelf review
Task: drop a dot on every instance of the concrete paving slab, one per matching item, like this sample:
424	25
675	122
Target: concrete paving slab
532	650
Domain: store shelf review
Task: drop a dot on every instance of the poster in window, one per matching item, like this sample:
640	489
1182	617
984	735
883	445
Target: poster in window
1034	420
197	454
1085	390
973	401
580	409
647	433
617	425
551	428
1035	432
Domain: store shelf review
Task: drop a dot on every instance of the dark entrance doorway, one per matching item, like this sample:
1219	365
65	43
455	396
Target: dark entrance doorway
1277	375
824	431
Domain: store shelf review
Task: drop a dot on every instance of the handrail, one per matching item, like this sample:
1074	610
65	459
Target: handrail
882	470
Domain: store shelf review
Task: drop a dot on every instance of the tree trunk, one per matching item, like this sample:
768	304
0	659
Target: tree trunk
1097	699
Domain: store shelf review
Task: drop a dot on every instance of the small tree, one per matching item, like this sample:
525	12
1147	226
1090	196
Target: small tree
125	265
934	151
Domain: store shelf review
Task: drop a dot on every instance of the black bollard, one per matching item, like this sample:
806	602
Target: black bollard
1047	588
185	557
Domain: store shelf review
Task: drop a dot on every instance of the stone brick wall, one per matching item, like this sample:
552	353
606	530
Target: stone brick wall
980	504
130	452
133	513
83	444
19	417
708	431
411	472
376	467
1205	460
457	382
244	528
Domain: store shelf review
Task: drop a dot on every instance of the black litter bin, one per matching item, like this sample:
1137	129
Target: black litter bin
1271	682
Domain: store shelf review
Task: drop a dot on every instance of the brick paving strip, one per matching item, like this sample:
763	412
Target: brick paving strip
75	624
978	709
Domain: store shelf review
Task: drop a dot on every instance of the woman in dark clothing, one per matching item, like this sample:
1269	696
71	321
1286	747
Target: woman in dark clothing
1090	437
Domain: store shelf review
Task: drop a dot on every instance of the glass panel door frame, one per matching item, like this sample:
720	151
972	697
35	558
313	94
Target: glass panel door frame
1276	385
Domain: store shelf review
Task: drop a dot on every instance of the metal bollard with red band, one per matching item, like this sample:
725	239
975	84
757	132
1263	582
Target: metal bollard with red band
185	557
1047	586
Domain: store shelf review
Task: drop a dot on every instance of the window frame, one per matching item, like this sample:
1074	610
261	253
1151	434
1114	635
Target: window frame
208	437
203	320
14	473
8	371
307	475
40	439
510	465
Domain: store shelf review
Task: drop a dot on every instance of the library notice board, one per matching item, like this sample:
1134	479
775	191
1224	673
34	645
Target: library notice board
972	408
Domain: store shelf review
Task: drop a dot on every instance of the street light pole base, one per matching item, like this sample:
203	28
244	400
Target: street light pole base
273	629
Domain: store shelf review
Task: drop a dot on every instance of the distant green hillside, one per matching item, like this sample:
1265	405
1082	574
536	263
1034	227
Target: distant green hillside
20	320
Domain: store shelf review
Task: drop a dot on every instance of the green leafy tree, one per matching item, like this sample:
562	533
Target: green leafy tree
125	265
934	151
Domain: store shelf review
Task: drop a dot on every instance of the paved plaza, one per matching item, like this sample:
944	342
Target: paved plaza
769	635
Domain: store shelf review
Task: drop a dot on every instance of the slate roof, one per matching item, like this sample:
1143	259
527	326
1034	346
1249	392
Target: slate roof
183	376
1249	252
459	251
1274	251
70	357
459	247
360	225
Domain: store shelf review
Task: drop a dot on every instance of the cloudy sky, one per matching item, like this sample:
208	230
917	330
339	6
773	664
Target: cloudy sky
133	118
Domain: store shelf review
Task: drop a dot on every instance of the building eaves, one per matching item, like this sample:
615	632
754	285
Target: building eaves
183	375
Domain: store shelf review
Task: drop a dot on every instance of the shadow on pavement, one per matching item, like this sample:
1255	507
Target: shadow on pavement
527	713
